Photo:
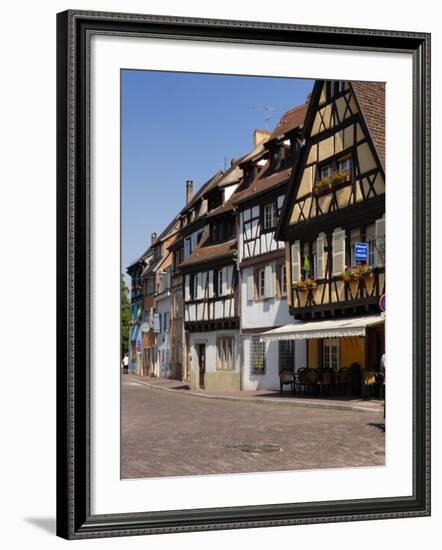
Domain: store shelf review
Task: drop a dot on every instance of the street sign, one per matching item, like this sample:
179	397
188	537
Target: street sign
382	304
361	252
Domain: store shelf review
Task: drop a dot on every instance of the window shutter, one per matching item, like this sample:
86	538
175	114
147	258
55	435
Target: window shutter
186	288
203	284
296	261
320	255
250	286
380	242
229	279
224	286
268	282
338	251
211	283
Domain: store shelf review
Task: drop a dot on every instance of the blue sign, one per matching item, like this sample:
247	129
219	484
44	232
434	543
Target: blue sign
361	252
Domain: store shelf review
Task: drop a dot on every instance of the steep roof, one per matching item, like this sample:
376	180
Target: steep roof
204	252
371	99
292	119
262	183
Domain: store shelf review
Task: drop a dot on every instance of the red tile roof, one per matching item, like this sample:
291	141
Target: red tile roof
206	252
371	99
290	120
262	183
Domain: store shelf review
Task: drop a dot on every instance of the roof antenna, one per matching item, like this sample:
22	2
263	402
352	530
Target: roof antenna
267	110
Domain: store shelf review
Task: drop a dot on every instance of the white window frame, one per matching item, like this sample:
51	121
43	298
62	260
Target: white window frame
225	353
331	353
326	170
270	220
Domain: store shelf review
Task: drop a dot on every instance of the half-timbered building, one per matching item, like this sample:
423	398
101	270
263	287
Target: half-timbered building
333	226
137	308
152	282
210	283
258	202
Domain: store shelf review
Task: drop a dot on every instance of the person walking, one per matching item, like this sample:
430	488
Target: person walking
126	364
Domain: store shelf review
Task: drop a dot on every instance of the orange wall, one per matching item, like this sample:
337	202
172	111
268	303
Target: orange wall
352	350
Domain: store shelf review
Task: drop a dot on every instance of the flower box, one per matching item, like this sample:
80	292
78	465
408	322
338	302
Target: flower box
326	184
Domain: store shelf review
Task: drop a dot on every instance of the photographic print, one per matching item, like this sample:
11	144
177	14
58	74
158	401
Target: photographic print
253	292
226	191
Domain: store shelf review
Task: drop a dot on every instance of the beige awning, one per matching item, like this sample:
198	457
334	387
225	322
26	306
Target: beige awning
330	328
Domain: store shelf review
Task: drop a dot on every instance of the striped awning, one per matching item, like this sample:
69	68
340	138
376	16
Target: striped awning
330	328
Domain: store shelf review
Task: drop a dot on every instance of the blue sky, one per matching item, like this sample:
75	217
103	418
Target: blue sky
180	126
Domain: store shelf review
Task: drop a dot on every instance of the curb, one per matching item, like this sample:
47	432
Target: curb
261	400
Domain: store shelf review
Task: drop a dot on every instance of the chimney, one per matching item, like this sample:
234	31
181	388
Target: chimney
260	136
189	191
153	239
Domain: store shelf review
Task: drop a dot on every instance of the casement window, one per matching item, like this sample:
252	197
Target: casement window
270	215
344	165
261	283
338	247
326	170
187	247
257	356
330	353
333	88
286	356
225	348
295	257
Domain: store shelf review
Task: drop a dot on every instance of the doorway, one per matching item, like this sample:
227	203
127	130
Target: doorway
201	352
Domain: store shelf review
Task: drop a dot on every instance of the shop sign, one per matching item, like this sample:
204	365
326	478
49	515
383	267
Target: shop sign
361	252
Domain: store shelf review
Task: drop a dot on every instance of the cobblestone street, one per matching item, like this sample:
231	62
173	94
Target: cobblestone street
166	433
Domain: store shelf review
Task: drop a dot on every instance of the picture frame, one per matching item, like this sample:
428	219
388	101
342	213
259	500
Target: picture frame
74	517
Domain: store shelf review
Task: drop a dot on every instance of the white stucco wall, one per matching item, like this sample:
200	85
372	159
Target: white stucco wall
270	312
269	380
264	314
209	339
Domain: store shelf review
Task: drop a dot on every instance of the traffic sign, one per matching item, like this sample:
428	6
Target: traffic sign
382	304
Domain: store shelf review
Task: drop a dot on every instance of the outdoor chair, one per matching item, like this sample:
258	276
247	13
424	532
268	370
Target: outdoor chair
301	380
327	378
344	381
313	380
287	378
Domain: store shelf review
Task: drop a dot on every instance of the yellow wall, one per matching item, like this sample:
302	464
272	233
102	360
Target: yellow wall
313	354
352	350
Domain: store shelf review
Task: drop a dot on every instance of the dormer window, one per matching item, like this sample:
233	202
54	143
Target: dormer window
333	88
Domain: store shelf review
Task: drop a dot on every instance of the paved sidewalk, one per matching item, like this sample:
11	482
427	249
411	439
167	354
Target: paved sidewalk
262	396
